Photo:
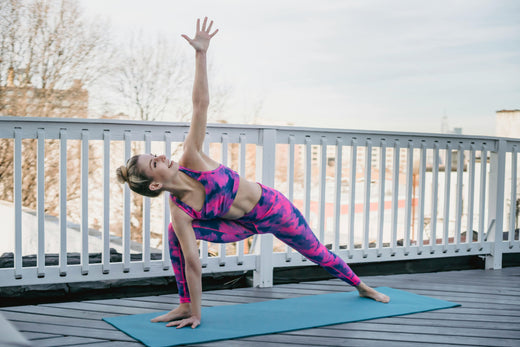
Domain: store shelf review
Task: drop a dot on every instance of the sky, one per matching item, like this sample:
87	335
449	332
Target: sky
398	65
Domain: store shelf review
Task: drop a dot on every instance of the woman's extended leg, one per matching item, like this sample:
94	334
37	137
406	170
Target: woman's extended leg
215	230
287	223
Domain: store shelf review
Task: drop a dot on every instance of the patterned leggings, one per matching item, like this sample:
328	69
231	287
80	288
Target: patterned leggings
273	214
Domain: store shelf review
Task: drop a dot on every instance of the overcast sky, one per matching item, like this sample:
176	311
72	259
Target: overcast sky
372	64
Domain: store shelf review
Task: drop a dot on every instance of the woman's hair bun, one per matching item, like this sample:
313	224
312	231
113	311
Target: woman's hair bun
122	174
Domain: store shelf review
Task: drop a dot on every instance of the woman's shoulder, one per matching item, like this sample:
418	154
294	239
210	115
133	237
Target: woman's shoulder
198	162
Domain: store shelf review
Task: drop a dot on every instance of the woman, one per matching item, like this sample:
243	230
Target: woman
209	201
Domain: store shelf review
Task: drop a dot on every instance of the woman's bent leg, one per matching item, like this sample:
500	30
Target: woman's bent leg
215	230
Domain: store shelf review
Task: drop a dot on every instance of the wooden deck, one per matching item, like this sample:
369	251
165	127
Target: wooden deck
489	316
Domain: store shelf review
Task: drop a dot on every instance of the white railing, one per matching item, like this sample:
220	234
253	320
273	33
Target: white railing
370	196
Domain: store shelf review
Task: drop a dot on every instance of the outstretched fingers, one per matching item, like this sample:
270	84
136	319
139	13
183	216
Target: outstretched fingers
204	29
185	322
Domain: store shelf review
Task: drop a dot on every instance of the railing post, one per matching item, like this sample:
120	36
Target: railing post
497	170
263	274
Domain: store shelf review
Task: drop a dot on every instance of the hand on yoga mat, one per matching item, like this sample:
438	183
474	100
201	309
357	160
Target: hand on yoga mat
192	321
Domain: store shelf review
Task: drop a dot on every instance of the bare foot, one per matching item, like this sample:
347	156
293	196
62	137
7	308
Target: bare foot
368	292
180	312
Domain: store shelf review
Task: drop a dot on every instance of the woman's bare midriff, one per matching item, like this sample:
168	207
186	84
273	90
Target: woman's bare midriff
247	197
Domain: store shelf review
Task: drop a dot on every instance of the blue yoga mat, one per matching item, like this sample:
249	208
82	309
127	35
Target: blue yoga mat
275	316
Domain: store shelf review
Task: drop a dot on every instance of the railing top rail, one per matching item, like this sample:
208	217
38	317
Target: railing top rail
162	124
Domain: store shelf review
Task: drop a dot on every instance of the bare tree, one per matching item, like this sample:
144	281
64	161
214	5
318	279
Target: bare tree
150	77
48	52
152	80
49	44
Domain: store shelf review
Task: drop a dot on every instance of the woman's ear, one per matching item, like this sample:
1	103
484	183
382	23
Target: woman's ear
155	186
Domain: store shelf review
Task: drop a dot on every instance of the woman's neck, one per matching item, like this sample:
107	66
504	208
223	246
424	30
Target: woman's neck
182	185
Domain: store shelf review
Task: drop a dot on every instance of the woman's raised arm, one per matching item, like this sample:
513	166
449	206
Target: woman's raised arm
200	96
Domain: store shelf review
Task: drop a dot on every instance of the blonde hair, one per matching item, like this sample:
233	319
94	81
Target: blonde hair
136	179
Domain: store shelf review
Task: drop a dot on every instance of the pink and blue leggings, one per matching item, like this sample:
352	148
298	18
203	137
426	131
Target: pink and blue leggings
273	214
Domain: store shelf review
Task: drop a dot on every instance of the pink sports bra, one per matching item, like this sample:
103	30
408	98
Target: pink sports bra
220	185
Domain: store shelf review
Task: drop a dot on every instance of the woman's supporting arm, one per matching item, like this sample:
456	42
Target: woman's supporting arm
186	235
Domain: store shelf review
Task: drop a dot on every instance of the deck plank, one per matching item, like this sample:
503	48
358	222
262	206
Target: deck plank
63	321
64	341
489	315
112	344
73	331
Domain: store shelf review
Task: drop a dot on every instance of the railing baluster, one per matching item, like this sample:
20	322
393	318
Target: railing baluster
323	181
242	172
395	196
84	202
224	148
435	197
63	202
204	244
471	196
40	209
145	253
337	187
290	169
166	207
447	190
482	201
422	190
224	156
352	198
381	206
290	184
307	181
408	217
106	202
126	213
458	206
242	140
366	207
17	197
512	205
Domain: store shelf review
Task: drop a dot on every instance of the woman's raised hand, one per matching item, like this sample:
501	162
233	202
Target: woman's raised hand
202	37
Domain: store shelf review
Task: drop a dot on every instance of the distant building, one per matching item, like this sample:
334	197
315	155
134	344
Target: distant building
29	101
445	127
507	123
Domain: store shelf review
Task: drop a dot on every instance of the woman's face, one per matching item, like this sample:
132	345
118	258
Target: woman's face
158	168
